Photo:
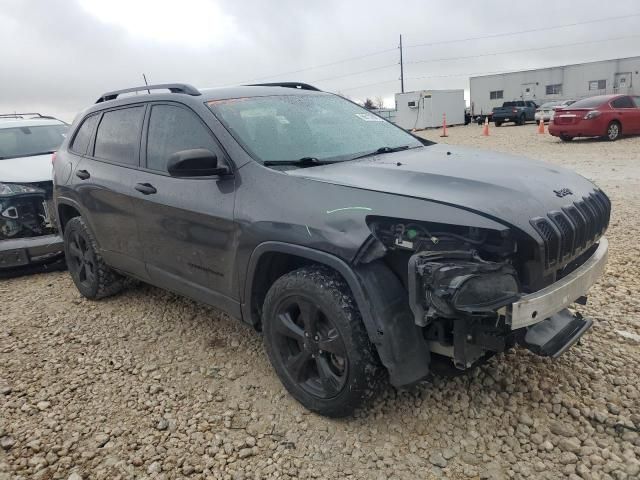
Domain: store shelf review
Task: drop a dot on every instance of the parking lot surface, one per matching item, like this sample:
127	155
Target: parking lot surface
151	385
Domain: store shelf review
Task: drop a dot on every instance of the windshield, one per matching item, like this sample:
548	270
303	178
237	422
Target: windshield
290	127
26	141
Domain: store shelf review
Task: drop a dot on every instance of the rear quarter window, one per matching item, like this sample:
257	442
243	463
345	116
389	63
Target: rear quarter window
623	102
83	136
118	135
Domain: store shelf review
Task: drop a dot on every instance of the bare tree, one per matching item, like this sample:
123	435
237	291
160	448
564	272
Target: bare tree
368	104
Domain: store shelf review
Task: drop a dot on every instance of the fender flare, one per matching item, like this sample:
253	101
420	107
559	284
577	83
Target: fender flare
383	304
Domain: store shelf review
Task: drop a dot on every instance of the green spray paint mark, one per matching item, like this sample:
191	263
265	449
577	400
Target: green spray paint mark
349	208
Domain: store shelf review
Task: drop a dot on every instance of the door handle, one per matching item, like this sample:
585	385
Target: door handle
146	188
83	174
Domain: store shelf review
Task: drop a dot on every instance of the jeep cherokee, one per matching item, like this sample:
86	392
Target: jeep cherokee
363	253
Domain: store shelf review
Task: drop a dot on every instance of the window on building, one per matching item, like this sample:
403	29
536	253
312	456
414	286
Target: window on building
117	139
597	85
554	89
496	95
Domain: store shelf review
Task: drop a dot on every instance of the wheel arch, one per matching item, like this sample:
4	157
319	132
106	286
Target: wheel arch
381	299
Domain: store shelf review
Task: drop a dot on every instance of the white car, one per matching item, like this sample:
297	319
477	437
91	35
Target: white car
28	234
546	111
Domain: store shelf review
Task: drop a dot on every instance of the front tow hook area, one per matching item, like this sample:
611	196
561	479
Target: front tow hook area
554	335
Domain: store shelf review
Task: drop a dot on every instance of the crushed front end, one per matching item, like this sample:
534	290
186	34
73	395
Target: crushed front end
28	233
476	292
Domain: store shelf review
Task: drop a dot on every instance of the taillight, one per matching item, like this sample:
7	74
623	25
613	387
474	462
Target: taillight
592	114
515	110
53	158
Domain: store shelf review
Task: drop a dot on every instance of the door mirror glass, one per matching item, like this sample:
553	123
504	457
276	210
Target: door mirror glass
197	162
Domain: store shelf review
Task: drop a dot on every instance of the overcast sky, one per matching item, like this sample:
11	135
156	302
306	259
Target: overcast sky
58	56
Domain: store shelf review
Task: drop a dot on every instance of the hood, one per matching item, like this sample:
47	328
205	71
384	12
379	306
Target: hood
37	168
507	188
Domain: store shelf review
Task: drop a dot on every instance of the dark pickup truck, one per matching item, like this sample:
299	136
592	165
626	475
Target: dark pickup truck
519	111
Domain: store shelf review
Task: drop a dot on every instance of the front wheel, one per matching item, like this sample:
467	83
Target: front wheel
566	138
93	278
497	123
613	131
317	343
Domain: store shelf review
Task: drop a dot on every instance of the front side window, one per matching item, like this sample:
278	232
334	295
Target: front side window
83	137
25	141
172	129
321	126
117	138
636	100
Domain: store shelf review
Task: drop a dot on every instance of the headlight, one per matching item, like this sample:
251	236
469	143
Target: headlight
7	189
479	292
459	283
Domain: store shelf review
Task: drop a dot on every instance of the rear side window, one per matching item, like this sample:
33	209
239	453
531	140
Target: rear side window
117	138
172	129
636	100
83	137
623	102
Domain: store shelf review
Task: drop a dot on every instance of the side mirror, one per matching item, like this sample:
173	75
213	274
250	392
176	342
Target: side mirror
198	162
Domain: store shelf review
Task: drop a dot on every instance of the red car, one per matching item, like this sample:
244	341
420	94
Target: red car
607	116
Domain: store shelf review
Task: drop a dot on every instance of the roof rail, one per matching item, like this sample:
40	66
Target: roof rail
22	115
172	87
298	85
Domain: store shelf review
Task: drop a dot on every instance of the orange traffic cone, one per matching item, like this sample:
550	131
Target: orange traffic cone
444	125
485	128
541	127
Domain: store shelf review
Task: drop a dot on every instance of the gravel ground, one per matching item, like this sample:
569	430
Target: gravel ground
151	385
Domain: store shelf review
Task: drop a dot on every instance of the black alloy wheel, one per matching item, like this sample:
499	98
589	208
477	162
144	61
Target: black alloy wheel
310	347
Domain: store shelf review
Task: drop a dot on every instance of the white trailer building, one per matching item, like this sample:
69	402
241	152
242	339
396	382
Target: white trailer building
556	83
424	108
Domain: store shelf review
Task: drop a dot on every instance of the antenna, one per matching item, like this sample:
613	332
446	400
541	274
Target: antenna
146	83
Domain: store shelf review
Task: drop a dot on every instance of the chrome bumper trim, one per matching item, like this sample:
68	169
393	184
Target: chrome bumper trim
540	305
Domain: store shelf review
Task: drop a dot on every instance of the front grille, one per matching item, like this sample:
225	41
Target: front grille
568	232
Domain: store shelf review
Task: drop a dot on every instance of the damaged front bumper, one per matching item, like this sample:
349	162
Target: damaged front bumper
539	321
535	307
19	252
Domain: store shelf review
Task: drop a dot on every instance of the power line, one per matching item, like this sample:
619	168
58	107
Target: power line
533	30
481	37
354	73
491	54
466	57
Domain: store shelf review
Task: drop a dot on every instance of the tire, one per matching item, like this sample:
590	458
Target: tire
614	130
522	120
566	138
317	343
92	277
497	123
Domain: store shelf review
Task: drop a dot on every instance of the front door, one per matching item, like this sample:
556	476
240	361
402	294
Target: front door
186	224
103	179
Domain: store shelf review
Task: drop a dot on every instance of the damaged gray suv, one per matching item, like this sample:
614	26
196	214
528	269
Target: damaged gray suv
363	253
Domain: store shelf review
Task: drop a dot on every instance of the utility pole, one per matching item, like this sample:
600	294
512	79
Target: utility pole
401	68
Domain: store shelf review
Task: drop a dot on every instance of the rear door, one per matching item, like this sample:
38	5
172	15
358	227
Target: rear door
104	182
186	224
636	115
626	111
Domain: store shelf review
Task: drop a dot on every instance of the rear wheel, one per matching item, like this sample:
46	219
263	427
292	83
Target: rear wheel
566	138
522	120
614	130
93	278
317	343
498	123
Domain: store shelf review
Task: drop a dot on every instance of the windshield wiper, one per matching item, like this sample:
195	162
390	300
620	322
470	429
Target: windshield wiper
383	150
302	162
